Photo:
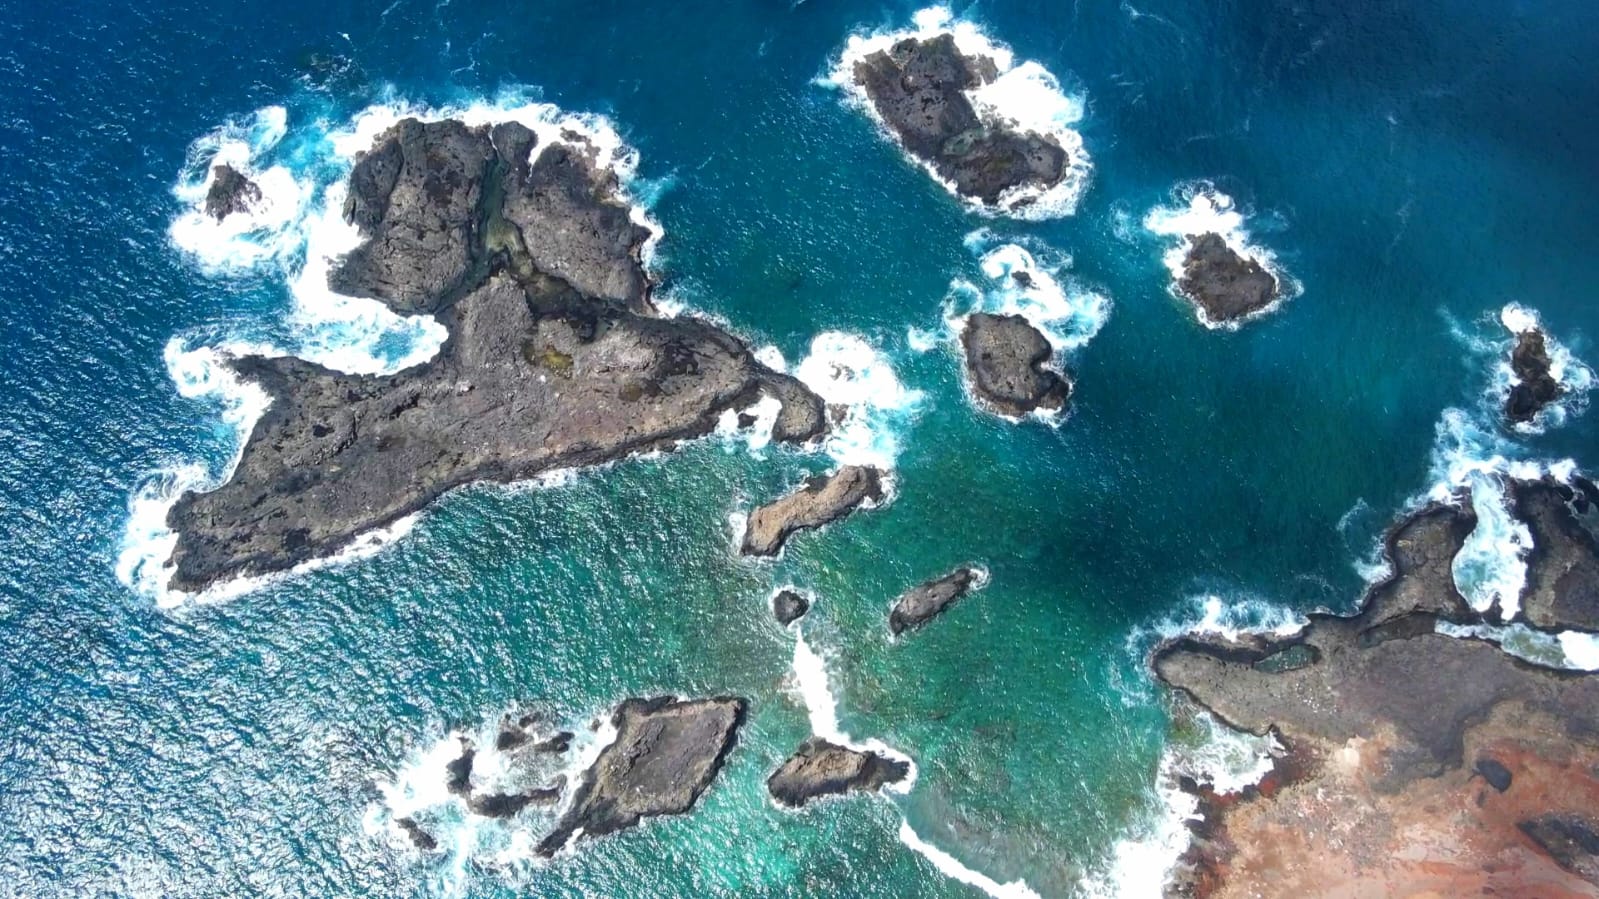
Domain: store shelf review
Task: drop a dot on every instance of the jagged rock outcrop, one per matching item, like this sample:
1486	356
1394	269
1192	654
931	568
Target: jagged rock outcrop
789	607
926	601
420	838
666	753
230	192
1007	359
1225	285
1535	386
918	88
819	501
1562	585
821	768
554	359
1413	759
458	780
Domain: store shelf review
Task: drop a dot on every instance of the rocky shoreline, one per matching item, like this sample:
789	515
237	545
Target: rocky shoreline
555	356
1416	761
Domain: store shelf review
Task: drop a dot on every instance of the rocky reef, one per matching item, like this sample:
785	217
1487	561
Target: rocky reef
926	601
919	89
666	753
555	358
789	607
820	500
820	768
1535	386
230	192
1416	763
1225	285
1007	357
493	804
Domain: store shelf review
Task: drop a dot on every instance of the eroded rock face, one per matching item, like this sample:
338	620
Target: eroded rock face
1225	285
789	607
420	838
1535	386
918	88
820	768
555	358
1562	586
230	192
819	501
666	753
927	601
1417	755
1007	357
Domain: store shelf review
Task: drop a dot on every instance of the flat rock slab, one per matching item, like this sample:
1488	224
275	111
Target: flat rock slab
555	358
1224	285
1007	360
666	753
928	600
820	768
820	500
918	88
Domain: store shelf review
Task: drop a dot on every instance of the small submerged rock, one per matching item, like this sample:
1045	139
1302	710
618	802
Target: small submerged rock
821	768
819	501
1225	285
230	192
666	753
927	601
419	837
1536	386
1006	357
789	607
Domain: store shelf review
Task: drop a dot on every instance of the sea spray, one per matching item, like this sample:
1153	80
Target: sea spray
849	373
1026	95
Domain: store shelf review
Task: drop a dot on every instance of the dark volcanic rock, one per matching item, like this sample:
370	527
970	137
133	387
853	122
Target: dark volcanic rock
419	837
919	87
1571	841
667	751
820	500
506	805
789	607
557	744
458	772
820	768
1223	284
230	192
554	358
1496	774
1562	588
1006	357
1535	386
924	602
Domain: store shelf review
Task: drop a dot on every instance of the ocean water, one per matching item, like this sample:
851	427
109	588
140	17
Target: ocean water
1414	167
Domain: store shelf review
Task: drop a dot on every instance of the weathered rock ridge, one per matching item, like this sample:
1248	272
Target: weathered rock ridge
1415	761
820	500
230	192
926	601
1536	386
554	358
666	753
1007	357
919	87
821	768
1225	285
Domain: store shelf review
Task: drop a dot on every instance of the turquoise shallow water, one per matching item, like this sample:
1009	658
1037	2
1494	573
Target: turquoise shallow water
1414	167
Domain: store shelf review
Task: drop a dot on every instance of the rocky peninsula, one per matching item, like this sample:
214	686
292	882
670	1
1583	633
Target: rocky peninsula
820	500
555	358
919	88
821	768
1007	360
928	600
666	753
1416	763
1224	285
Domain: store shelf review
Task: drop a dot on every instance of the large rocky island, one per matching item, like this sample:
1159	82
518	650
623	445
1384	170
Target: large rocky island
919	88
555	358
1417	763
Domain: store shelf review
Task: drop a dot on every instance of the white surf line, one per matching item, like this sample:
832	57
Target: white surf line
1025	95
951	867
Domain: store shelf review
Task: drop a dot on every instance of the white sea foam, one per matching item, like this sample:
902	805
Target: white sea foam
1572	650
951	867
1491	565
1026	95
1231	618
1034	286
1575	378
844	370
1200	208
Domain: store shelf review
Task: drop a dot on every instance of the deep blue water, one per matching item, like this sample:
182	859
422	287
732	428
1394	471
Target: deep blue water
1415	164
